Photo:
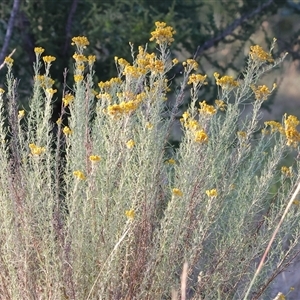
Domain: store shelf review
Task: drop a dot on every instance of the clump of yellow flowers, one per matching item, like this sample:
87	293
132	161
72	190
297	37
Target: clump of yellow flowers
163	33
287	129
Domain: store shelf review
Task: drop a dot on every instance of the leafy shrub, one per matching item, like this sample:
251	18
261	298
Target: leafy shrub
104	208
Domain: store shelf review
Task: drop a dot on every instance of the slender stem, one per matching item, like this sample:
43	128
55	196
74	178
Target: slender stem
297	190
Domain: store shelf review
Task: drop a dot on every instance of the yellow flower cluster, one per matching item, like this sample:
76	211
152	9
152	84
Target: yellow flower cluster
91	59
275	127
48	59
104	97
121	62
130	214
212	193
78	78
125	107
67	99
44	81
67	130
35	150
78	174
221	105
197	79
262	92
39	50
163	34
291	133
9	61
288	129
206	109
80	41
201	136
79	58
287	171
149	126
130	144
191	124
108	84
134	71
94	158
190	64
257	53
51	91
226	82
21	114
149	61
171	161
242	134
177	192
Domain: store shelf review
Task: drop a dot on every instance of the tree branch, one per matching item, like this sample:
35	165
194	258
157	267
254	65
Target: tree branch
69	25
227	31
11	22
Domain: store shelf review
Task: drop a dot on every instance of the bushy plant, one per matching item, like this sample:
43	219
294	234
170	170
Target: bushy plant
104	208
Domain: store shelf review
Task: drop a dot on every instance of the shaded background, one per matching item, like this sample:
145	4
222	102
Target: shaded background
219	33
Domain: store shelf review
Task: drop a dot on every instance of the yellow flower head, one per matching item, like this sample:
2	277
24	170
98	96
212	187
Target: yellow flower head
197	79
51	91
67	130
280	296
171	161
149	126
293	136
226	82
115	81
91	59
78	174
212	193
122	62
79	58
177	192
67	99
48	59
262	92
9	61
130	214
35	150
95	158
221	105
39	50
130	144
163	34
200	136
291	133
291	121
287	171
242	134
80	41
206	109
257	53
185	115
78	78
174	61
275	126
21	114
